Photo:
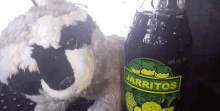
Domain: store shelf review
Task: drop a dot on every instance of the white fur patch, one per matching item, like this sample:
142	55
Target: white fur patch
46	2
43	2
6	64
16	55
82	62
46	31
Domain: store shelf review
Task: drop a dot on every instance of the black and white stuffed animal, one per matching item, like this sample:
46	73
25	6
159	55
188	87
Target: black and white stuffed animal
55	53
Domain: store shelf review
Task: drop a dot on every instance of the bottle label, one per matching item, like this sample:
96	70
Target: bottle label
150	86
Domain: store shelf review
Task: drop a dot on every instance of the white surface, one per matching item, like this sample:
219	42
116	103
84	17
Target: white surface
113	16
9	9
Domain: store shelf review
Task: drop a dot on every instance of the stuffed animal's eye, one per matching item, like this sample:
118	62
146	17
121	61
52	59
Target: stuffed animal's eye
72	44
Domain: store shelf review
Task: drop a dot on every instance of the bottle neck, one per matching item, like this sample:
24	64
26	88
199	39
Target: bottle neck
162	6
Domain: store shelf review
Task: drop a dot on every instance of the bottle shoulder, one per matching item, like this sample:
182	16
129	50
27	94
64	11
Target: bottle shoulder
167	28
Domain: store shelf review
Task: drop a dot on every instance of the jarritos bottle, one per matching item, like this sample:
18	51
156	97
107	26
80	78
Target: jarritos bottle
157	51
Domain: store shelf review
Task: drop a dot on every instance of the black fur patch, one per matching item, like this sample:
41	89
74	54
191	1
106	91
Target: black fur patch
82	33
25	82
53	65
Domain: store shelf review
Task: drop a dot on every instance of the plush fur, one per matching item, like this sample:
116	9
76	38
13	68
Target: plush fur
57	31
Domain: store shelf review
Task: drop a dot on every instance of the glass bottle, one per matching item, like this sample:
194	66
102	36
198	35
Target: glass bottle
157	52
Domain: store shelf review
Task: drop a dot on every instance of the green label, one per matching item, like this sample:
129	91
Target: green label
150	85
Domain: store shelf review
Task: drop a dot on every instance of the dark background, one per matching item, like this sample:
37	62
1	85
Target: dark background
204	21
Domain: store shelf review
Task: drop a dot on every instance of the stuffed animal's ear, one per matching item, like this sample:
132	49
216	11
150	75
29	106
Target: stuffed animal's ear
35	4
45	2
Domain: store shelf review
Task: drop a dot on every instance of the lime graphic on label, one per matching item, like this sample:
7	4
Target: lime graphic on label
150	86
168	109
142	97
162	71
151	106
137	108
136	67
148	68
130	102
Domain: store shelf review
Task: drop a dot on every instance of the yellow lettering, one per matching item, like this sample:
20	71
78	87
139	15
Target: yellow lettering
151	85
138	81
158	85
132	80
128	77
173	85
145	84
166	84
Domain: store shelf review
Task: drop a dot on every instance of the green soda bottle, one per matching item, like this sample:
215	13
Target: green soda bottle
157	52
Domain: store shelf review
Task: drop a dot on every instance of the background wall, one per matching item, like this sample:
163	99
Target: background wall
112	16
9	9
204	20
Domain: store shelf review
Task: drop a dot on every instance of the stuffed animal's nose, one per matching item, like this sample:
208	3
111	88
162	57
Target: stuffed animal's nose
67	82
